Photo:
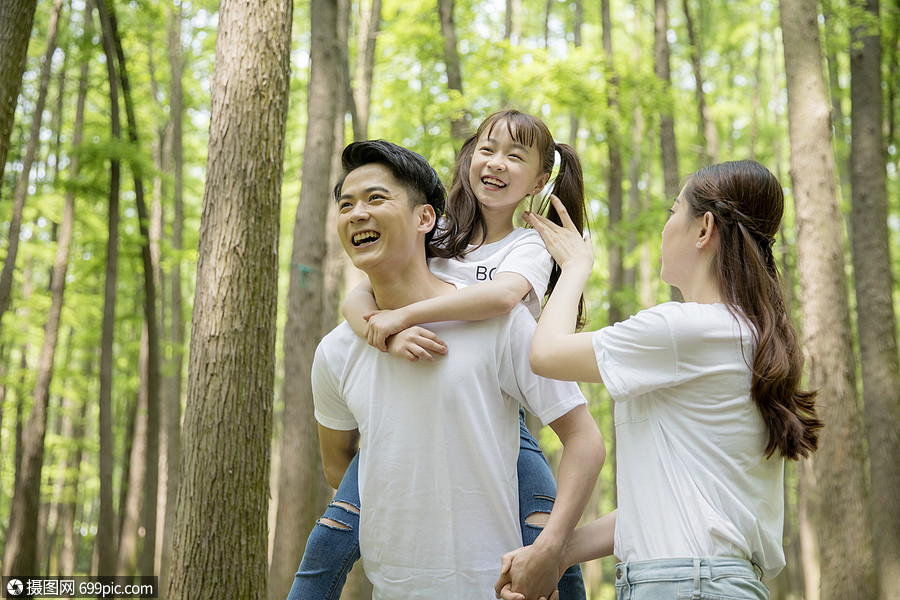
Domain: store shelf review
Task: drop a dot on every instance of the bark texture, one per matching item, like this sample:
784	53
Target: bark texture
220	545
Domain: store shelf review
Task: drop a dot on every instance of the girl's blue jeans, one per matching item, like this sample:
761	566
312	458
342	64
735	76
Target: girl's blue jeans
331	551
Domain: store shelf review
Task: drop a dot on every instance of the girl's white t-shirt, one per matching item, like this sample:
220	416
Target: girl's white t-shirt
692	479
522	251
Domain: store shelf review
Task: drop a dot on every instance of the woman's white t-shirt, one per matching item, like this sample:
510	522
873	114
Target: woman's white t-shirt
692	479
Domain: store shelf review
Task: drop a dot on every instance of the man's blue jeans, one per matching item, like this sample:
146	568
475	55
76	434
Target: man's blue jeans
331	551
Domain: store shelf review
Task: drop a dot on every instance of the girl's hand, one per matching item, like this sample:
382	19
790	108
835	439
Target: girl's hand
416	343
568	246
382	324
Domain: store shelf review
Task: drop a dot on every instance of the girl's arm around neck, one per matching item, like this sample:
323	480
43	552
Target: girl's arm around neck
359	302
477	302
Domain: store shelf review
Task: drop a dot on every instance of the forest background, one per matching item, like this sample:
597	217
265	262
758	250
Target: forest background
169	265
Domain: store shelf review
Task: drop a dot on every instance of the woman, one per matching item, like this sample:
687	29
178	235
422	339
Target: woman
707	397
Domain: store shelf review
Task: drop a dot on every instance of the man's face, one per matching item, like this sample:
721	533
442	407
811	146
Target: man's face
376	224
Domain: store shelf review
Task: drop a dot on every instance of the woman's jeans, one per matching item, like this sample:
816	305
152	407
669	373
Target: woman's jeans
331	551
715	578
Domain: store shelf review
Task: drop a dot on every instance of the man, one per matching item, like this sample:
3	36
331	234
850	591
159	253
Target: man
438	441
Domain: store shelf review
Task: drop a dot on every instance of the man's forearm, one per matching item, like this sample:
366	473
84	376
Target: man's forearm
582	458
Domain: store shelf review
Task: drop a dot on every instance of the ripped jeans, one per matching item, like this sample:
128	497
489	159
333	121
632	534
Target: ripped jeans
331	551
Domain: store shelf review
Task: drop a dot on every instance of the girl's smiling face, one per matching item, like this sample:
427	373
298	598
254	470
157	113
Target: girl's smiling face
504	171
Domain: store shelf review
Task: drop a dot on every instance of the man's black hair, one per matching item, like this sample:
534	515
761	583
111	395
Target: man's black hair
411	169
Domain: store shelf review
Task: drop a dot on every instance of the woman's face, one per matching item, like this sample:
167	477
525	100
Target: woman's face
503	171
679	244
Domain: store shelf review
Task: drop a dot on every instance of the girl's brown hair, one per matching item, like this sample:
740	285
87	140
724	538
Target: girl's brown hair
463	223
747	203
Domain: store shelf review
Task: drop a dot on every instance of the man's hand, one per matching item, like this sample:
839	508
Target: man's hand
528	573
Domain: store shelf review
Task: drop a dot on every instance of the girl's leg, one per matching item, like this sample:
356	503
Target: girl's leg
333	544
537	493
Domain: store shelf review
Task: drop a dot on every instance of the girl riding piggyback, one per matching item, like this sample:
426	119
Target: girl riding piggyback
507	161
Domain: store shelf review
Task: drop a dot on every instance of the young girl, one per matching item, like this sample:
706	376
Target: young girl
707	396
508	159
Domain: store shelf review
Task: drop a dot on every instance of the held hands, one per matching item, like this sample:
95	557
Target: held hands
532	576
566	244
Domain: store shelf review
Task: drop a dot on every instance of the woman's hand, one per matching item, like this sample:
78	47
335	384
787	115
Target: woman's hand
568	246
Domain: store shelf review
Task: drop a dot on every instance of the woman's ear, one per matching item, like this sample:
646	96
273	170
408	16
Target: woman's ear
708	232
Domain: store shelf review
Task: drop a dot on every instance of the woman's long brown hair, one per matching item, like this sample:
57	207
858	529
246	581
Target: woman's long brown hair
747	203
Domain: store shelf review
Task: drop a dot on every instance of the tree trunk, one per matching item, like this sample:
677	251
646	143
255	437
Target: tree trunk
809	545
458	126
837	94
710	150
132	492
21	192
668	147
842	509
221	544
176	327
21	549
106	534
671	174
301	477
577	27
67	553
16	20
370	21
613	176
151	379
874	307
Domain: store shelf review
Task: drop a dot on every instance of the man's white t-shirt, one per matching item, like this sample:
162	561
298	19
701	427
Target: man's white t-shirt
522	251
438	449
692	480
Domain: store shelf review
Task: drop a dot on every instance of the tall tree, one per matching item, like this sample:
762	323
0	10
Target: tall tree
614	175
106	540
667	143
16	19
842	513
21	549
458	126
221	543
577	27
710	150
369	23
671	174
21	192
174	16
303	491
150	373
874	284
